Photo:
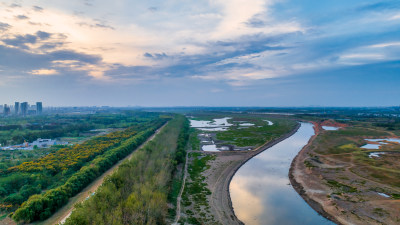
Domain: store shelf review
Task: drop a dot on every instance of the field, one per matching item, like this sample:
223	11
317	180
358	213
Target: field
37	183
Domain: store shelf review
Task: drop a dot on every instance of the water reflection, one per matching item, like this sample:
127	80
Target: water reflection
330	128
269	122
261	192
214	123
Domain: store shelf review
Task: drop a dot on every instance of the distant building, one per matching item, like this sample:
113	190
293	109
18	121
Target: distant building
39	143
32	112
43	143
24	108
16	108
39	108
6	110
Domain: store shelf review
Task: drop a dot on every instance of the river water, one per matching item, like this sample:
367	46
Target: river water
261	192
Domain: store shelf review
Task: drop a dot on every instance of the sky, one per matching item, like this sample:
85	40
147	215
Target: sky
200	53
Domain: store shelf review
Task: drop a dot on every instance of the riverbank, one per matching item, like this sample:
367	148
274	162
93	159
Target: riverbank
294	176
220	174
334	177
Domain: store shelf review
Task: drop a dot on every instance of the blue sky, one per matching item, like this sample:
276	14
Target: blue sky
209	53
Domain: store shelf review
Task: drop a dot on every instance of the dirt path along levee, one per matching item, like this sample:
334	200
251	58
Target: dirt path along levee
178	200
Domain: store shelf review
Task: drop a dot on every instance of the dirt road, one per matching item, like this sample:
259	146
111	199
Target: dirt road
178	201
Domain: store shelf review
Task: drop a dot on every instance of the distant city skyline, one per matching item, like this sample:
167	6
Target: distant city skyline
22	109
200	53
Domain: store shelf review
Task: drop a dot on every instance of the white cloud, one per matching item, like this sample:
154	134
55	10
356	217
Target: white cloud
236	14
379	52
240	77
395	17
363	56
96	71
384	45
44	72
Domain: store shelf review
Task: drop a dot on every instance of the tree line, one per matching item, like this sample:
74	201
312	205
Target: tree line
42	206
137	192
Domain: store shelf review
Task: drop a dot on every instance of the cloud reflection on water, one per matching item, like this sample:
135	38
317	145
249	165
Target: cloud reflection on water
260	190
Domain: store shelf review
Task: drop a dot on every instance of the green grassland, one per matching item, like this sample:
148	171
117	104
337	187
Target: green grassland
255	135
243	136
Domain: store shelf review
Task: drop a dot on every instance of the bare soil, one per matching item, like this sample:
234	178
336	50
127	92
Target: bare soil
356	201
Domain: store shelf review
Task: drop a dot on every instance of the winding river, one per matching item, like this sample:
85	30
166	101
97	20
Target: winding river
261	192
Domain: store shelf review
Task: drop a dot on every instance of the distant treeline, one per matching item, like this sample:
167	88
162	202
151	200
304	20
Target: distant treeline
51	132
17	130
137	192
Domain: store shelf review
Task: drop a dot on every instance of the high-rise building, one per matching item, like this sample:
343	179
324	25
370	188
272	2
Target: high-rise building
6	110
24	108
16	108
39	107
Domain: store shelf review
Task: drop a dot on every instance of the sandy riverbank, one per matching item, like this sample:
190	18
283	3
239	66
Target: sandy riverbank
363	206
297	169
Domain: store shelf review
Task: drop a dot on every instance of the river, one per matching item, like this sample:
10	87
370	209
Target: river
261	192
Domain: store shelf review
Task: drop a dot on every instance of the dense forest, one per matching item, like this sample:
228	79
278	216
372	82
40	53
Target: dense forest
137	192
37	188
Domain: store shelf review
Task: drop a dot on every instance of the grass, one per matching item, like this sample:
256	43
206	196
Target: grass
194	140
395	196
196	191
360	131
242	136
380	212
341	187
2	217
255	135
308	164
